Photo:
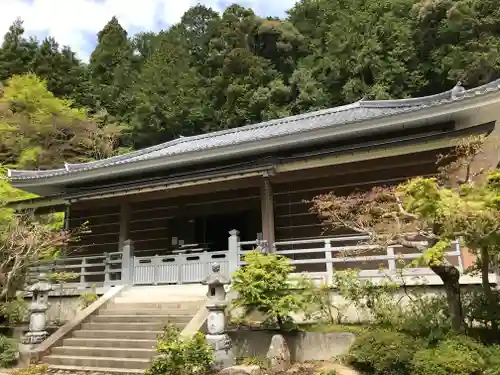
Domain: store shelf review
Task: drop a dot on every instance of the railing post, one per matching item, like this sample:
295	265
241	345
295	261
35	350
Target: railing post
328	258
106	268
156	265
234	251
82	273
127	262
391	262
456	245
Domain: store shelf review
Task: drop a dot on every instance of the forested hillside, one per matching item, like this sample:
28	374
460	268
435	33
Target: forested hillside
214	71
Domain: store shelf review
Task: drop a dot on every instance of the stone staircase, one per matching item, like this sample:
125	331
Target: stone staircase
121	337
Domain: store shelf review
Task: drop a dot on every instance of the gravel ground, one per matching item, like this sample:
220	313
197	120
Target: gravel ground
312	368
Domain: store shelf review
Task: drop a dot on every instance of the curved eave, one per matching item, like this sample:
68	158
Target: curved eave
446	111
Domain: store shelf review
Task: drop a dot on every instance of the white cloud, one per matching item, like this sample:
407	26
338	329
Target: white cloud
71	22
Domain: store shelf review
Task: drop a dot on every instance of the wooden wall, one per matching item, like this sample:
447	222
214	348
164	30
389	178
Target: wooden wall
294	220
103	229
154	222
156	219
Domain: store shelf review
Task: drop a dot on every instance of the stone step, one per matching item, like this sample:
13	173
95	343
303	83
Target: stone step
128	318
110	343
181	292
145	326
96	370
186	300
80	351
129	304
110	334
146	311
140	319
110	362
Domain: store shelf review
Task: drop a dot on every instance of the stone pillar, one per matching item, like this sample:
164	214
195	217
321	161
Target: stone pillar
234	249
216	321
124	225
38	311
128	263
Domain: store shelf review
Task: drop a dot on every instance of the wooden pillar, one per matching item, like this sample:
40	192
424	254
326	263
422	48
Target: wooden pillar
67	213
267	209
124	225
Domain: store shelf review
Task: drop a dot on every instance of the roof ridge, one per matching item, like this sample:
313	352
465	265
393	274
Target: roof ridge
361	111
147	150
360	103
135	153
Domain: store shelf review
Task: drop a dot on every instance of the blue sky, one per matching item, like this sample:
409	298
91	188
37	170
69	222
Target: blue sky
76	22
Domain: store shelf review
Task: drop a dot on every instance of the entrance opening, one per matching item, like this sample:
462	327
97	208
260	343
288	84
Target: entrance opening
213	230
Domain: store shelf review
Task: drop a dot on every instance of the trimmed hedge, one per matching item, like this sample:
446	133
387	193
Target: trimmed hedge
385	352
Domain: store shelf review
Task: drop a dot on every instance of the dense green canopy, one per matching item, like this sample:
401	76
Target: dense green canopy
221	70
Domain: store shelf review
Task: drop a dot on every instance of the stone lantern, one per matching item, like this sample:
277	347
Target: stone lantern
216	321
38	309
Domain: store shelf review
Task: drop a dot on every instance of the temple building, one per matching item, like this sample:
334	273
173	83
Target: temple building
168	209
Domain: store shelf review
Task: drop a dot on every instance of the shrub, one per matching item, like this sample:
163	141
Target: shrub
422	316
318	302
32	370
8	351
263	285
14	311
250	361
458	355
178	356
88	298
479	310
493	361
383	352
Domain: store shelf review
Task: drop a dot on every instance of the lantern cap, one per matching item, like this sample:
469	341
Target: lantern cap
216	278
41	285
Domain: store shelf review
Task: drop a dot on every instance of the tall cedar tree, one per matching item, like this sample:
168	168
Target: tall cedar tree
249	69
167	104
16	52
111	69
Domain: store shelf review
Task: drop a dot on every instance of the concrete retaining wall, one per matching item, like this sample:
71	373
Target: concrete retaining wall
351	314
63	309
304	346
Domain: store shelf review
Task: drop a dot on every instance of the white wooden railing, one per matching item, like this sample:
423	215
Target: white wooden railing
98	270
324	256
189	267
319	257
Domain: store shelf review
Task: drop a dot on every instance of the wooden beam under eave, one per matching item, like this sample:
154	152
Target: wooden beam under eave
267	209
363	156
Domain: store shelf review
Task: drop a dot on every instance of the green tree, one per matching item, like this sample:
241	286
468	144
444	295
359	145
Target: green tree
167	104
264	285
428	214
64	73
360	48
42	131
112	69
39	130
457	40
16	52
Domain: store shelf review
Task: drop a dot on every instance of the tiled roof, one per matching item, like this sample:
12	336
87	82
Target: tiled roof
357	112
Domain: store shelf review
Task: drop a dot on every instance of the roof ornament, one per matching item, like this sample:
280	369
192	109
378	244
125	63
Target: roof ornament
457	91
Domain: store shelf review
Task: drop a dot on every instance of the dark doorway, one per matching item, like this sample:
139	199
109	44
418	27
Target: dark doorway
213	230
